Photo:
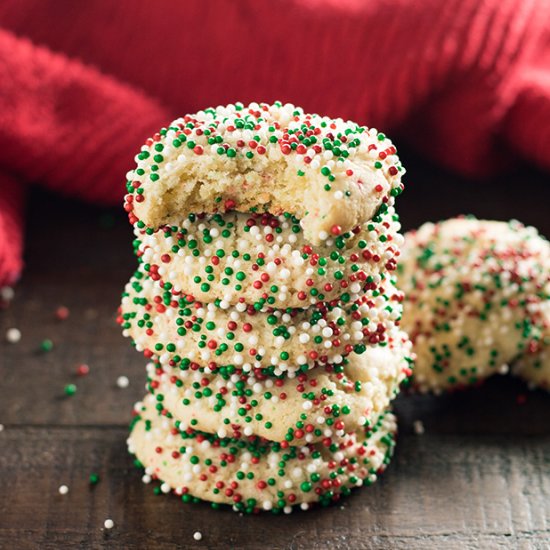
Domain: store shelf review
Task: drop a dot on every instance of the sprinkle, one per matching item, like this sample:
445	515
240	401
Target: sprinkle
7	294
94	479
108	524
122	382
63	489
62	313
197	535
82	370
69	389
13	335
1	427
418	427
46	345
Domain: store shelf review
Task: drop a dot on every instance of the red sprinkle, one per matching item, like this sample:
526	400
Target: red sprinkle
82	370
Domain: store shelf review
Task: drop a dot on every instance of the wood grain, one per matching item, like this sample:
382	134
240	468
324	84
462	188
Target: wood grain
478	478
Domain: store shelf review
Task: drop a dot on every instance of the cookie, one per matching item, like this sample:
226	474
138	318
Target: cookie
252	474
265	259
477	298
172	327
331	174
327	401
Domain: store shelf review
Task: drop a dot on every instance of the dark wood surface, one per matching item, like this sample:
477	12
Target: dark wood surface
479	477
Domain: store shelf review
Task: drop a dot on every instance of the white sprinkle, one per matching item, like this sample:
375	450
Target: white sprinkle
122	382
13	335
418	427
63	489
197	535
109	524
1	427
7	293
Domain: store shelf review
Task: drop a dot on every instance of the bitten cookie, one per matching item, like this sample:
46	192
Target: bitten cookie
330	174
327	401
265	259
477	299
252	474
171	327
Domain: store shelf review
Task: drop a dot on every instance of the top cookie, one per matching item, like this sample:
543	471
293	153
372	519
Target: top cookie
331	174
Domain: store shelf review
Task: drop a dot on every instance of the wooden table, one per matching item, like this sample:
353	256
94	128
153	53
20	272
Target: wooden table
479	477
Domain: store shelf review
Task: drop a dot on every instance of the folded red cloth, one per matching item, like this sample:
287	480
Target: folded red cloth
83	83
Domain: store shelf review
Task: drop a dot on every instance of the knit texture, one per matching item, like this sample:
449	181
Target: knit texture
82	84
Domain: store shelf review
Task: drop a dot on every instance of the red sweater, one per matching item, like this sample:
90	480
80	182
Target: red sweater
82	84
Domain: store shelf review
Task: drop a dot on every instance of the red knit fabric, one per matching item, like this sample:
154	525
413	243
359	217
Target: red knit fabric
465	81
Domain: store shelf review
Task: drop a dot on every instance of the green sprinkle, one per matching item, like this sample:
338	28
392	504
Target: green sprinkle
69	389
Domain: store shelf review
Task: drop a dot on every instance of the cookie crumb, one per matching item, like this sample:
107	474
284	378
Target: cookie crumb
418	427
197	535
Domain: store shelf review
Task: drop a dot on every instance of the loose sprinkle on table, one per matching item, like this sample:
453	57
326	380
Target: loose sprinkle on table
122	382
94	479
70	389
197	535
61	313
418	427
82	370
63	490
109	524
6	294
13	335
46	345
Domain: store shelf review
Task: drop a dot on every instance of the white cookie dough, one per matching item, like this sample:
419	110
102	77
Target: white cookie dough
171	327
251	473
326	401
265	259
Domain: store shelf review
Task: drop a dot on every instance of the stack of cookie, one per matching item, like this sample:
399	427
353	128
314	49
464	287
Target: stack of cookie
265	302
